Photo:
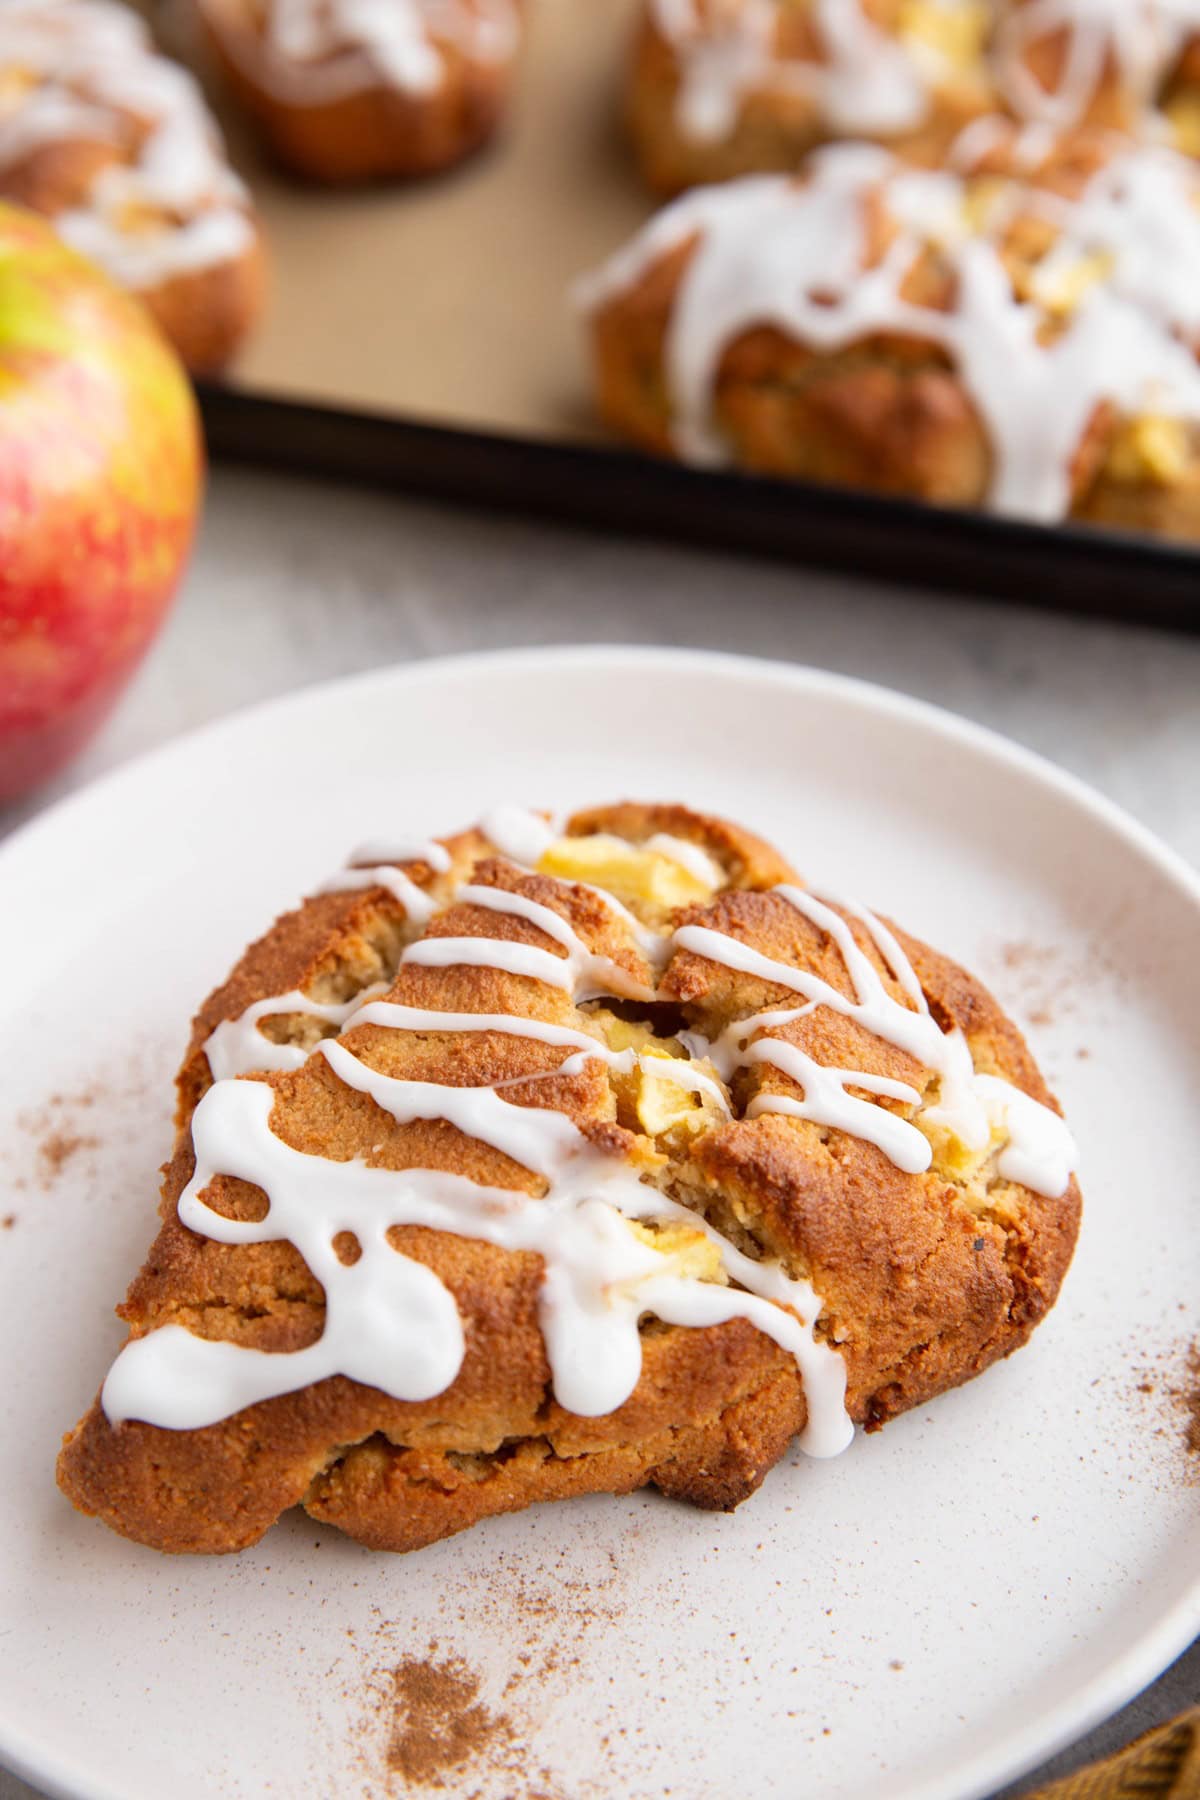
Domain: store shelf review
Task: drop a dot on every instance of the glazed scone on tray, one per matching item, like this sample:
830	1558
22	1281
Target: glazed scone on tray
345	92
520	1165
720	88
115	145
1013	337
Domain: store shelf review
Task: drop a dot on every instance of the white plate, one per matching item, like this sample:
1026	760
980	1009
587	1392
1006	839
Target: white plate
929	1615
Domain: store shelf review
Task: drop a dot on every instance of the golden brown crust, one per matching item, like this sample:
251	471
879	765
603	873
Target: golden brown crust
890	411
925	1279
884	413
209	313
890	417
369	133
396	1499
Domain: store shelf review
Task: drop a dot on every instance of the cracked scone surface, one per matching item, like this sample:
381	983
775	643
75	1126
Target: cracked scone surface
923	1279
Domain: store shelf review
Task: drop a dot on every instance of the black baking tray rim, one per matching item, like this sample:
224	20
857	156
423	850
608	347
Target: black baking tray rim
1074	568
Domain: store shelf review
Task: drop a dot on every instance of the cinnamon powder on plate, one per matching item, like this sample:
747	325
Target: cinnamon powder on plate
1187	1398
440	1721
59	1131
57	1148
1172	1378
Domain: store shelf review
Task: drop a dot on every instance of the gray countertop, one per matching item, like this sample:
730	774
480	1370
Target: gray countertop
293	583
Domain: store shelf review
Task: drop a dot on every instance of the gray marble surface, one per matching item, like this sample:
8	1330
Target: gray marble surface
294	583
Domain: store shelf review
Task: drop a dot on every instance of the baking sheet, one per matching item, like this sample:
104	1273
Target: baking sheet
421	336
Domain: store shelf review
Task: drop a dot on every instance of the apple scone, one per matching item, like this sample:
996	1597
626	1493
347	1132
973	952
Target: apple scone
344	92
114	144
720	88
531	1162
1009	336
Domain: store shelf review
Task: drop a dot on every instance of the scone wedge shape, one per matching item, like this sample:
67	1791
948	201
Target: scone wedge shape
527	1164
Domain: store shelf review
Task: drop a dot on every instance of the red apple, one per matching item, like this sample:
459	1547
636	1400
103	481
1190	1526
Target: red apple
101	469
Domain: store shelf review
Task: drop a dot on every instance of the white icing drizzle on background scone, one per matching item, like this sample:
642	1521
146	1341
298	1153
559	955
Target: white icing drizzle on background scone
310	51
85	71
1138	40
391	1324
790	253
869	82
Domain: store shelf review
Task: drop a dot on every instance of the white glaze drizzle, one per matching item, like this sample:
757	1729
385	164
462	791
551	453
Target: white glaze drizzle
492	953
1024	148
773	251
866	81
871	83
655	946
519	833
827	1103
672	1069
389	1321
969	1105
418	905
524	837
314	51
1039	1152
587	974
403	850
1140	39
238	1047
372	865
176	207
393	1016
689	856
